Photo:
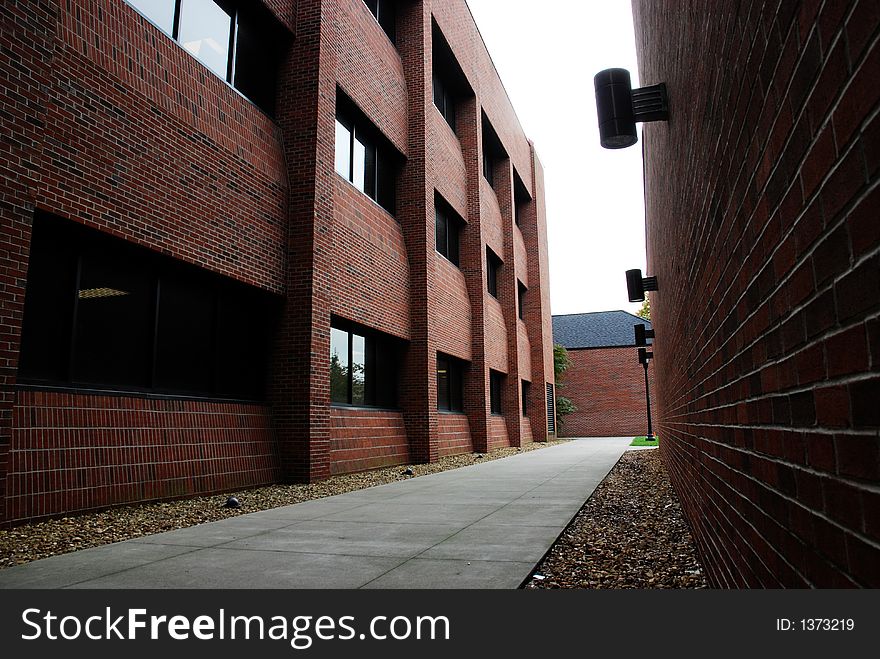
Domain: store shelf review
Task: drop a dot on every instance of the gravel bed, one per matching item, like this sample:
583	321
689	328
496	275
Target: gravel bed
629	534
30	542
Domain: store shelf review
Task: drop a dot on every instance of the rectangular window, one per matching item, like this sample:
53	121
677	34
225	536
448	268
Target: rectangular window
493	265
526	386
384	11
444	100
450	384
521	299
363	367
521	199
103	313
362	158
237	40
495	381
493	151
447	230
488	167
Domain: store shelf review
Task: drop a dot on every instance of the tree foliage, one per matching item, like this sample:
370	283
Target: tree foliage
645	311
561	363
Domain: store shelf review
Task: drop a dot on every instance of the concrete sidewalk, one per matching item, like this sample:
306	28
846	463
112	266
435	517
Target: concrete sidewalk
484	526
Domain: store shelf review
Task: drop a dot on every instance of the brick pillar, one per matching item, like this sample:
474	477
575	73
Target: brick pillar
473	266
415	211
301	379
31	27
533	225
508	291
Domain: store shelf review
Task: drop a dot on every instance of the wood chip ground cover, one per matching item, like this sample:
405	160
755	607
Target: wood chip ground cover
629	534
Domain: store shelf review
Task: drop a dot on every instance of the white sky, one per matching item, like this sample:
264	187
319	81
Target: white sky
547	54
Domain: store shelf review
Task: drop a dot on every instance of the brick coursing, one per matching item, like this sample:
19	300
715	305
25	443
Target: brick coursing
115	126
762	216
607	385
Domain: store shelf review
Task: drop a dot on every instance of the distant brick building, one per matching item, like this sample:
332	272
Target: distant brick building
605	381
245	242
763	230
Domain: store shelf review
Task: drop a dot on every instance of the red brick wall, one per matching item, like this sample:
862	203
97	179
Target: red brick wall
762	212
498	435
607	385
118	127
455	434
81	452
363	439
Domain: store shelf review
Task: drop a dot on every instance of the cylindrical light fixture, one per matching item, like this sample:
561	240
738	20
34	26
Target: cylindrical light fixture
617	121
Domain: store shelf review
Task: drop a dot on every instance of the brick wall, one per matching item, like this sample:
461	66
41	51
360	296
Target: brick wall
363	439
82	452
455	434
762	213
607	385
116	126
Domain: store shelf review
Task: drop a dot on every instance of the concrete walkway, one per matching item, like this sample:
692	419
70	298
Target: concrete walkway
484	526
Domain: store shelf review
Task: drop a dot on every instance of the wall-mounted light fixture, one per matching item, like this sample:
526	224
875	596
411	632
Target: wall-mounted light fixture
645	356
636	285
619	107
643	334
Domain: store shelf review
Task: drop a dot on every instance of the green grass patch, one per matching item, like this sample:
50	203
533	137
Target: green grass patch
643	441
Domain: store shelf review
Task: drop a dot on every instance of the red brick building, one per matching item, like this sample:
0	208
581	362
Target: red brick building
248	242
605	381
763	230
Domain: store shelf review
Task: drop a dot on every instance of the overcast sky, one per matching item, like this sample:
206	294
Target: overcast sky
547	54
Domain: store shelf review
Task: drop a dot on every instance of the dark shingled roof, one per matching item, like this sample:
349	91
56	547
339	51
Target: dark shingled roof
599	329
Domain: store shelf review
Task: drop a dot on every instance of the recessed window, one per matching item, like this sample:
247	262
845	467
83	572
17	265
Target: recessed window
362	156
239	41
526	387
363	367
494	155
384	11
447	230
103	313
521	199
521	299
496	379
444	100
493	265
450	384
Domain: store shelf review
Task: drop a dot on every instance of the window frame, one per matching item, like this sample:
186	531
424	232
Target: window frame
453	224
235	8
525	390
496	386
159	377
447	102
454	384
493	267
521	291
377	348
383	186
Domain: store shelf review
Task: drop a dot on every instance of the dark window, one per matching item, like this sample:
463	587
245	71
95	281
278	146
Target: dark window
103	313
362	158
521	299
384	11
450	384
493	264
495	381
239	41
363	367
447	230
488	167
521	199
526	386
494	154
444	100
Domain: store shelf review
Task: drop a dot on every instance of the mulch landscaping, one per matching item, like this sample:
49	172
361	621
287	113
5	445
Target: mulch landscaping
629	534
